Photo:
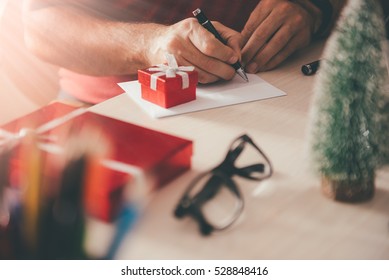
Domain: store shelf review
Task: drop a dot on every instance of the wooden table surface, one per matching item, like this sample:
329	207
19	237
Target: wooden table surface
285	217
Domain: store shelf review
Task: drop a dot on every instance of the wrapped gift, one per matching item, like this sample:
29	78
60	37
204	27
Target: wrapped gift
168	85
132	148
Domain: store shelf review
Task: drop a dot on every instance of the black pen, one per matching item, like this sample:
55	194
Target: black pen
310	68
203	20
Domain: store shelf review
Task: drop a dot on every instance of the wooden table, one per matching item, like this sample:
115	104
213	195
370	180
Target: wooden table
285	217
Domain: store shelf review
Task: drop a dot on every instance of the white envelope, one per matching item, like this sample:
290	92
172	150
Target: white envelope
209	96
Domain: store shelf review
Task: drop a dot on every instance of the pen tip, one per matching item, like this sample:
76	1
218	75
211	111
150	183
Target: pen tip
243	75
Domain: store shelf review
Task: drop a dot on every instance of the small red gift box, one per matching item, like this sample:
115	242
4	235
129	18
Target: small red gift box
158	155
168	85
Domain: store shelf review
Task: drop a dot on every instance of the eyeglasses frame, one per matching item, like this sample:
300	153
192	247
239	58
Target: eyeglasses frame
188	206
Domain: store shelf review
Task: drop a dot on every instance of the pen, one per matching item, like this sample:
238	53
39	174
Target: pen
203	20
310	68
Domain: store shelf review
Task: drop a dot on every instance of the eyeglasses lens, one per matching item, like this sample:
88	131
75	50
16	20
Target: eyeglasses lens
215	196
250	162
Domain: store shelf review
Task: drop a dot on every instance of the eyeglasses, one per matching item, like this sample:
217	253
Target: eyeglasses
213	198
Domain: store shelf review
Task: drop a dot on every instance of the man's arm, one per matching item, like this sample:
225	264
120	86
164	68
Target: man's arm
75	35
82	36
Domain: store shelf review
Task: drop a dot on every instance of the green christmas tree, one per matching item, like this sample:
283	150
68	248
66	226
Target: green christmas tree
349	110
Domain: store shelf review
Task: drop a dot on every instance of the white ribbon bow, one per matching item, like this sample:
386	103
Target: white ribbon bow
9	137
170	70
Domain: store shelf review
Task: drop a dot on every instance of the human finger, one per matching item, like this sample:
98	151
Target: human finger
292	27
204	77
209	45
232	38
209	68
259	39
294	44
269	50
258	15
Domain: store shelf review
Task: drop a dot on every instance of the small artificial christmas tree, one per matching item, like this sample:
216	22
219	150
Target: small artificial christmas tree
346	137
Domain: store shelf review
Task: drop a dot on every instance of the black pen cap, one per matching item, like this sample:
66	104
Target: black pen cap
310	68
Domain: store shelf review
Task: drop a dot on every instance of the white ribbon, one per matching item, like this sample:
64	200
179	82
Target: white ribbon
9	137
170	70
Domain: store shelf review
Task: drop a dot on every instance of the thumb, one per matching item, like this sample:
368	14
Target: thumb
233	38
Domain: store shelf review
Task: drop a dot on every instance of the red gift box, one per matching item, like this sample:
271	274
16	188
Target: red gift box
165	91
159	155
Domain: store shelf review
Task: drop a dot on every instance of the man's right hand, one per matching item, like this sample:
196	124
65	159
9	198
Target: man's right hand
191	44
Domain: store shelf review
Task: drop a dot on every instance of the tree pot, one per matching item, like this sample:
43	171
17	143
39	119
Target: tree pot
348	191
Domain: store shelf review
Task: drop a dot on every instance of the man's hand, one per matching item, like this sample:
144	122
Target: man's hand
276	29
192	44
